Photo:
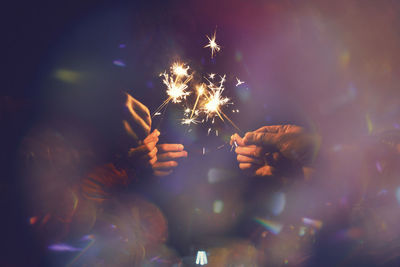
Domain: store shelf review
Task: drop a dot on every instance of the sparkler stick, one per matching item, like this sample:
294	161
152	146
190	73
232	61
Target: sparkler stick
161	106
233	124
200	91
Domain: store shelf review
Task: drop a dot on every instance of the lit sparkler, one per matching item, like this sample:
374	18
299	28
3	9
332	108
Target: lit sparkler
179	70
215	100
177	83
209	97
212	44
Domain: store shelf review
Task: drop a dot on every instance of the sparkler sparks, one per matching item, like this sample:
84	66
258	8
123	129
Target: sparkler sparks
179	70
189	121
177	83
222	81
212	44
239	82
215	99
209	100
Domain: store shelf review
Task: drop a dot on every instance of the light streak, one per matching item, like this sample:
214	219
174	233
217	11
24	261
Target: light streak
272	226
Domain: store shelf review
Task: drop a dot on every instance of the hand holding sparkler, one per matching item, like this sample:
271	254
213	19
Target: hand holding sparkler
251	158
291	141
167	157
146	153
270	149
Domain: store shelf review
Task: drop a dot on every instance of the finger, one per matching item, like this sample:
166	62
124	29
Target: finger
246	166
153	161
269	128
138	112
265	139
152	153
143	111
171	155
252	151
152	137
236	138
265	171
142	149
142	124
135	106
170	147
164	165
162	173
245	159
130	131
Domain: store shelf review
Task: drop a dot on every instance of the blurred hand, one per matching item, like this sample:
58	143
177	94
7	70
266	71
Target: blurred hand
167	157
264	151
138	122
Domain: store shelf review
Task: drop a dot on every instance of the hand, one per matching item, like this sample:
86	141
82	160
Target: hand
138	122
146	153
268	149
291	141
167	157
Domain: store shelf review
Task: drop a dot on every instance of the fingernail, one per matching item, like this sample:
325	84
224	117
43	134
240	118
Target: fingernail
181	147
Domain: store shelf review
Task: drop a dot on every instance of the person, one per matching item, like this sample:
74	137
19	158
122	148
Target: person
281	159
79	195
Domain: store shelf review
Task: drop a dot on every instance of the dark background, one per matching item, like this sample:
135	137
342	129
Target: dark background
331	65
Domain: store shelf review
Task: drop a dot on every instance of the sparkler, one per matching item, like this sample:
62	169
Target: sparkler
212	44
215	99
177	83
209	99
